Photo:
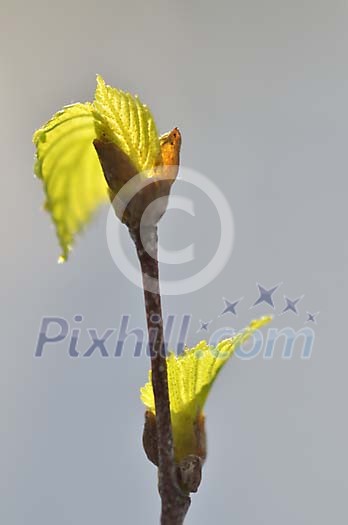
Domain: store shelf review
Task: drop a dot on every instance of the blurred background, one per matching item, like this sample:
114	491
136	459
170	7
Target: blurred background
259	91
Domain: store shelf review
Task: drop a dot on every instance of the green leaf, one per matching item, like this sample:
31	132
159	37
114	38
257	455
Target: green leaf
122	119
190	378
68	163
70	170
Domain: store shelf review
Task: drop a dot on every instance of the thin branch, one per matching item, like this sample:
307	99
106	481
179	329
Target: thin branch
175	502
117	170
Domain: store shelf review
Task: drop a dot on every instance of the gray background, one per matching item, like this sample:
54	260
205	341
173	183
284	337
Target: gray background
259	90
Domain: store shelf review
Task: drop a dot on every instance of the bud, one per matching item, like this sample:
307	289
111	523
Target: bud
190	473
131	193
189	467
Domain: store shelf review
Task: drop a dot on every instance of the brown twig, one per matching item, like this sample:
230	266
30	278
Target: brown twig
175	502
119	170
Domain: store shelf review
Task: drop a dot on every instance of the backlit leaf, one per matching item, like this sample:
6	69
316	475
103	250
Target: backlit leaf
190	378
70	170
122	119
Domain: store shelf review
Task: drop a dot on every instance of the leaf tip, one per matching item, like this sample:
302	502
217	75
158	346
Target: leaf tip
101	85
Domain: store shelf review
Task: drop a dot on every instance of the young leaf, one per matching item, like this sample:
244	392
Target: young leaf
70	170
190	378
125	121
